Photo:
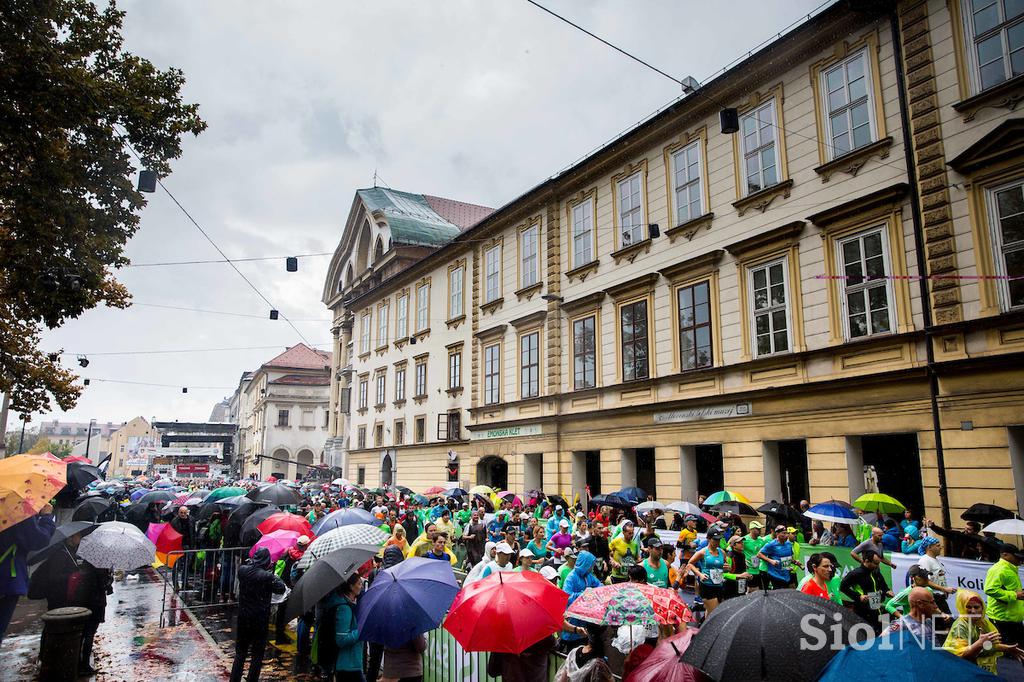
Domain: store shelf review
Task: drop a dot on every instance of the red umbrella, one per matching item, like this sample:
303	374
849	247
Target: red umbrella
664	664
167	540
434	490
77	458
506	612
286	521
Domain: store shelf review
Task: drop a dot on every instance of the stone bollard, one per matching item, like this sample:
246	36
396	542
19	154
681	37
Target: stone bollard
61	643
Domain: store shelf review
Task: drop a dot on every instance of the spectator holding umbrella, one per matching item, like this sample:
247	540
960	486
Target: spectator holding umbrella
348	666
15	544
256	584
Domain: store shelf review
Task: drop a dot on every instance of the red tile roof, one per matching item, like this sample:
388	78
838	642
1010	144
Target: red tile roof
303	380
458	213
301	356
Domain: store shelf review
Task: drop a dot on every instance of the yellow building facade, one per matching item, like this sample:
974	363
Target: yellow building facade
689	309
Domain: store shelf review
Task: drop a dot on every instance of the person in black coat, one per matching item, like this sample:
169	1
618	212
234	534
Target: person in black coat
256	584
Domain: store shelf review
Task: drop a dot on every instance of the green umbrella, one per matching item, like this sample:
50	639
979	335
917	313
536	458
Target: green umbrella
879	503
224	491
725	496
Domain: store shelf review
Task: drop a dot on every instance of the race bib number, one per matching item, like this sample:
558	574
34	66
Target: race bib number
785	562
716	576
741	586
755	562
628	561
874	600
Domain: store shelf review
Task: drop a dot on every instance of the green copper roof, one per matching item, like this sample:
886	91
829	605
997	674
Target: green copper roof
411	219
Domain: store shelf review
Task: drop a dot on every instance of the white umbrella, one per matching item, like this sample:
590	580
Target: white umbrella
341	481
646	507
117	546
1006	527
685	508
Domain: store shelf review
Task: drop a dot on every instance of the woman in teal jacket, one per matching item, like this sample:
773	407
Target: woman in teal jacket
348	666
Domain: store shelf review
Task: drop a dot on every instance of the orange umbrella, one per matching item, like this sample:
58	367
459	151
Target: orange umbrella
27	483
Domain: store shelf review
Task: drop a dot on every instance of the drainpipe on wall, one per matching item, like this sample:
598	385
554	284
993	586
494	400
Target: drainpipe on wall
923	283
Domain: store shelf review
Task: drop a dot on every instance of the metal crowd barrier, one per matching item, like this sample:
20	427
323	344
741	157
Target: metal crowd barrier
198	579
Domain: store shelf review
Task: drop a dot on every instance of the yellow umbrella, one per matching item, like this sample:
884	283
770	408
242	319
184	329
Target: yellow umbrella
27	483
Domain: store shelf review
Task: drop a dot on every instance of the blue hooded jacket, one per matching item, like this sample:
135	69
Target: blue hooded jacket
580	579
891	540
16	542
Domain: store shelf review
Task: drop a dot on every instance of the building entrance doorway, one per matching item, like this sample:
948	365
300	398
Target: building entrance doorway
593	477
710	471
387	468
896	464
793	471
646	478
492	471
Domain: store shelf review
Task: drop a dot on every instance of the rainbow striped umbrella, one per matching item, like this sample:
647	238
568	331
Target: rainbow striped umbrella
725	496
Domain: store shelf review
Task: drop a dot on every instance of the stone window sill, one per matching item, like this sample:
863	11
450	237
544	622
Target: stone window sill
454	322
528	292
631	252
1005	95
690	228
492	306
583	271
762	199
851	162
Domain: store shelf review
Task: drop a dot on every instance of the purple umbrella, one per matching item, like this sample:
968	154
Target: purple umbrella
406	600
344	517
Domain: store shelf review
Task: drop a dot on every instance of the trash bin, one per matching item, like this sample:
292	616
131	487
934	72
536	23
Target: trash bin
61	644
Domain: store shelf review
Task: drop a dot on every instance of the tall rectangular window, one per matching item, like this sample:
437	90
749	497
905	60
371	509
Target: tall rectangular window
382	325
378	435
584	352
381	395
582	233
631	211
686	177
400	432
760	160
421	378
1007	224
492	274
492	374
422	307
455	296
769	301
996	29
364	389
694	305
361	439
529	365
847	92
282	417
364	334
865	285
455	369
400	383
421	429
528	270
402	317
635	350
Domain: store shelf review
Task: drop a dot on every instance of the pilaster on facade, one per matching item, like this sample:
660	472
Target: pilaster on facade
553	335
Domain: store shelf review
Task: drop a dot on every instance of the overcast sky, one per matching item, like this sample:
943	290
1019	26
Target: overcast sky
476	100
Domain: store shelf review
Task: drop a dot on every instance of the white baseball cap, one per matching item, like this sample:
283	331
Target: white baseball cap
503	548
525	552
548	573
563	523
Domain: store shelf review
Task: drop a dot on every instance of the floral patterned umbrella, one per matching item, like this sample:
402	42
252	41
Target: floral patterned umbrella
630	604
27	482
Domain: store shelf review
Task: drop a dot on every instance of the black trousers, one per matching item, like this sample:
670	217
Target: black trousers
374	659
249	640
88	636
1013	633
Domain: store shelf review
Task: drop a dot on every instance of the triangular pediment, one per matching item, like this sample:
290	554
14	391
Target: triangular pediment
1005	141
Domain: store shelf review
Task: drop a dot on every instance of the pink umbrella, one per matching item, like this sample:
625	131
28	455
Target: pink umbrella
277	543
511	497
154	530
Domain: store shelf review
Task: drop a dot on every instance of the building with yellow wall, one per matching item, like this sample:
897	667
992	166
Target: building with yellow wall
788	310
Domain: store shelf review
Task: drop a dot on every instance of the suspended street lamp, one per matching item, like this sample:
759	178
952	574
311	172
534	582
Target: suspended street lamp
147	180
291	264
273	314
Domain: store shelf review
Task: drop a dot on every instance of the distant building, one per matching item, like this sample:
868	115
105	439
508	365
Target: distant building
74	433
96	448
221	412
125	445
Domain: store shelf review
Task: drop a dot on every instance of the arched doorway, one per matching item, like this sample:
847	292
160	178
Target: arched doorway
303	461
387	469
279	465
492	471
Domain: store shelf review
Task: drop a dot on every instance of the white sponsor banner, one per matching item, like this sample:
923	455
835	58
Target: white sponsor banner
693	414
137	462
213	451
507	432
960	573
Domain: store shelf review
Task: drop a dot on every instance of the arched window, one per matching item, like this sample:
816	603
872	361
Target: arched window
378	249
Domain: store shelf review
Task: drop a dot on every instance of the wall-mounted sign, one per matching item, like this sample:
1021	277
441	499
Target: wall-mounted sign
507	432
694	414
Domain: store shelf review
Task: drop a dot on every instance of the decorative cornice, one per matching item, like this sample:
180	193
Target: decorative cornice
1005	141
690	228
691	268
883	200
583	271
637	285
851	162
529	320
496	331
583	303
786	235
455	322
528	292
762	199
632	251
1006	95
492	306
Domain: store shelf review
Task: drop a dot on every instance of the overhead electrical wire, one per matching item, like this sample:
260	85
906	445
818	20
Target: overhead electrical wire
166	351
223	312
233	260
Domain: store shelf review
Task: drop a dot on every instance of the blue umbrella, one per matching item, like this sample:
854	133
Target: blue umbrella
406	600
344	517
832	512
900	658
136	494
633	494
163	483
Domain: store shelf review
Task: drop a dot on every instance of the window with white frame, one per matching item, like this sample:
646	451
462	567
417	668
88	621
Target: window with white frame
769	302
846	89
686	178
361	440
455	369
381	395
760	142
1006	210
402	317
492	374
528	270
400	384
529	365
421	377
422	307
635	342
455	289
364	389
400	432
631	210
584	352
694	307
364	334
582	233
867	300
492	274
996	40
382	324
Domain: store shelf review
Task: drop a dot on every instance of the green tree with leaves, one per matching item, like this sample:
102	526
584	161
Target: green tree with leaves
71	99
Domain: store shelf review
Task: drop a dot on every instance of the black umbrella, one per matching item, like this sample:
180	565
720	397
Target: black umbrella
758	637
986	513
141	515
81	475
233	527
735	507
62	533
610	501
326	574
276	493
156	496
780	511
249	533
558	499
97	509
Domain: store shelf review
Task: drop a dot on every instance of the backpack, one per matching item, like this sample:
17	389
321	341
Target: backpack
325	648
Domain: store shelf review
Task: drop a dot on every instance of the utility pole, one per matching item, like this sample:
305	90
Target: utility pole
3	425
21	444
88	438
